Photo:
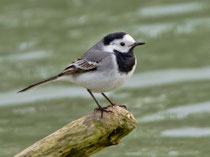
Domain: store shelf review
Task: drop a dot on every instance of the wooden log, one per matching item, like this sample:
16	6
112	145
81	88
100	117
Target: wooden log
85	136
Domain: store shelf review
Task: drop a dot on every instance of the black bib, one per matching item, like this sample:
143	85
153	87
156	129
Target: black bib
125	61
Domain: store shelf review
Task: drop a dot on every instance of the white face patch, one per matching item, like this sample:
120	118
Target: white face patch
122	45
129	39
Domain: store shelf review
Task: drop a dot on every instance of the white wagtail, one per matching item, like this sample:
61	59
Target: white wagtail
104	67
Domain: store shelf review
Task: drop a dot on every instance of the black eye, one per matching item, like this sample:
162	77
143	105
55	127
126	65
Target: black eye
122	44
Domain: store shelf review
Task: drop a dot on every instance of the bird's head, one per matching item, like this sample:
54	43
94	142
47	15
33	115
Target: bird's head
119	41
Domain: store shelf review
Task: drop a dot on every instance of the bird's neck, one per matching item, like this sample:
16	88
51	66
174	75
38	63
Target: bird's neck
125	61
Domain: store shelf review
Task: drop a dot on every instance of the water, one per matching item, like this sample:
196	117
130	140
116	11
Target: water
171	9
25	56
169	93
187	132
179	112
170	76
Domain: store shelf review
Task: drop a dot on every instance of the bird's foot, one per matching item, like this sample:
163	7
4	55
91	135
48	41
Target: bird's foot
102	109
112	104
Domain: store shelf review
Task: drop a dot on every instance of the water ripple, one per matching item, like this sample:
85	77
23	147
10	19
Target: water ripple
177	112
165	77
187	132
172	9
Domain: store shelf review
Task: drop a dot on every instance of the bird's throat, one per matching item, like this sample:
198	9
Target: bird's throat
125	61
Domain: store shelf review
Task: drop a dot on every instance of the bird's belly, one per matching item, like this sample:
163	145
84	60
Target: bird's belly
99	82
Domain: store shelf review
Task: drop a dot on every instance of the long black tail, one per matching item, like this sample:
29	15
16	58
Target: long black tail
39	83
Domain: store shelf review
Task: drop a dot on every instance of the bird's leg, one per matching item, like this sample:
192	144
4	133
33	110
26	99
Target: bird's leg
112	102
108	99
99	106
102	109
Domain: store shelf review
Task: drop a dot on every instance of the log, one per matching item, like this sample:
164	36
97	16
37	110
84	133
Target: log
85	136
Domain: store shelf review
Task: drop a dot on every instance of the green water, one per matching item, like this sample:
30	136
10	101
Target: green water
40	38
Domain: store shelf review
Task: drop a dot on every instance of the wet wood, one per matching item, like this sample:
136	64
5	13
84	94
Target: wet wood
85	136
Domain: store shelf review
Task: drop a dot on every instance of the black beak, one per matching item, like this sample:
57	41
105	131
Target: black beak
138	43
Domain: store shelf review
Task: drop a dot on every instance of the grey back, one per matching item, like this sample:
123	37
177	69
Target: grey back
96	53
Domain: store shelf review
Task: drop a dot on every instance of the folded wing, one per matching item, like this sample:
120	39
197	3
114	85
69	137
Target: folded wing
80	65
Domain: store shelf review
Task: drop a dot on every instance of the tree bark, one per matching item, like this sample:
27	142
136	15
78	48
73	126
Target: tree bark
85	136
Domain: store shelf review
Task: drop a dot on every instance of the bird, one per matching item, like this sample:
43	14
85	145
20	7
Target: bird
104	67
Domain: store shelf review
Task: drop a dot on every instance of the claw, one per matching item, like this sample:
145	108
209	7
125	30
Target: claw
102	109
